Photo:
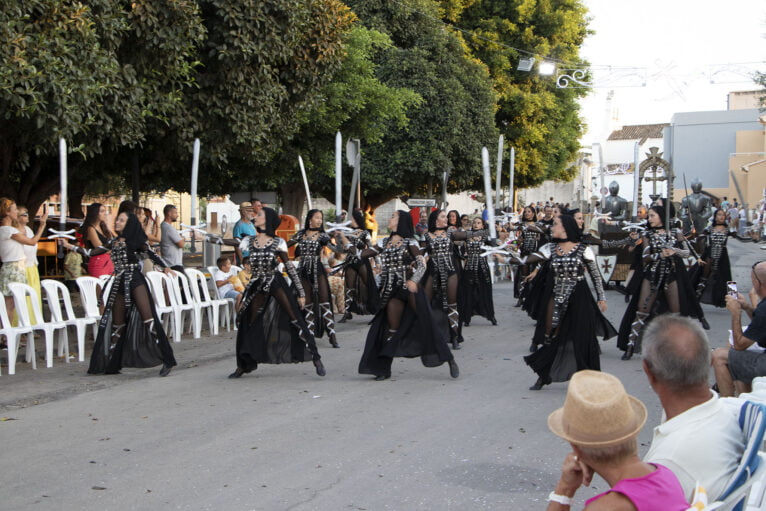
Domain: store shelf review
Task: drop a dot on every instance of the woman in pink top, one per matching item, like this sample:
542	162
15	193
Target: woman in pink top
601	422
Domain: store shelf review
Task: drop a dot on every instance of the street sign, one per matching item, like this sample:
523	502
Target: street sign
604	190
419	203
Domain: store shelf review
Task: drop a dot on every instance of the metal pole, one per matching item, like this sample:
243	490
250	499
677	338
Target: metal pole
488	192
636	179
338	170
194	176
601	171
511	191
63	195
499	170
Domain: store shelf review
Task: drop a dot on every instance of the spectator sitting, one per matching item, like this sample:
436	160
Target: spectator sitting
744	360
699	439
227	282
601	422
245	274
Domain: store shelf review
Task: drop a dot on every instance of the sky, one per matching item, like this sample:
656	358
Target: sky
676	44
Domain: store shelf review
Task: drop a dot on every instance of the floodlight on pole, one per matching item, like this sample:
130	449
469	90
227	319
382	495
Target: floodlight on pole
546	68
526	64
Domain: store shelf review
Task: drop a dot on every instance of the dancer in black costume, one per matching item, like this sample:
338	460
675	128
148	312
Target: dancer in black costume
129	333
318	309
405	325
475	289
442	279
361	293
710	277
530	235
568	319
271	328
665	286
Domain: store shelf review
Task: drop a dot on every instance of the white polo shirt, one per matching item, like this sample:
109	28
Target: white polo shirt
704	444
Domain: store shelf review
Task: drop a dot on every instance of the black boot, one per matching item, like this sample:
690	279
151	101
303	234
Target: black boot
454	371
634	339
237	373
347	308
532	347
320	368
329	323
705	324
165	370
540	383
454	324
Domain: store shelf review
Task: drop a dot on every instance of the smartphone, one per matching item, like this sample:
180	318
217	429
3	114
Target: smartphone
731	289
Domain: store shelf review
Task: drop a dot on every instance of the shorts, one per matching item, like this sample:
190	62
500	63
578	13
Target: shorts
232	294
746	365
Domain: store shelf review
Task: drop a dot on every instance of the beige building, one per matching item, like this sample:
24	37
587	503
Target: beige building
748	166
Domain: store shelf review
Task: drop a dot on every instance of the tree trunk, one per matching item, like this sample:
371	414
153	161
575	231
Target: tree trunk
136	181
293	199
75	203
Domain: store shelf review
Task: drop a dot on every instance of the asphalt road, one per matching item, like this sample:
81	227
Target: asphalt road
283	438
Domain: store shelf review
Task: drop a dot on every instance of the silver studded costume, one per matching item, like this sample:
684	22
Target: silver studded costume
530	236
710	280
132	341
475	289
361	292
568	318
419	333
271	328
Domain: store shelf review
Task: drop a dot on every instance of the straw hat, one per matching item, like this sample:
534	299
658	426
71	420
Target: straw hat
597	411
245	205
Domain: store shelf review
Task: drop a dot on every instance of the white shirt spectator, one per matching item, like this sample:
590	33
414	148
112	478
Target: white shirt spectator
30	251
219	275
10	249
703	444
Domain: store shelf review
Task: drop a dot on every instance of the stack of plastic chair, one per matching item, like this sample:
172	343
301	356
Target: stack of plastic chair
168	315
13	335
201	293
58	293
232	301
20	293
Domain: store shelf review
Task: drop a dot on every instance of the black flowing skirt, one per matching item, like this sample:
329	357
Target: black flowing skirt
422	333
366	298
270	337
714	292
574	346
475	294
136	347
535	294
689	305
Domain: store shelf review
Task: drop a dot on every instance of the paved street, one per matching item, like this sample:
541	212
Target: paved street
284	439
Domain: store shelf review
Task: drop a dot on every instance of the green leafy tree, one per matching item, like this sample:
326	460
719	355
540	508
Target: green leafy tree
447	129
71	70
540	120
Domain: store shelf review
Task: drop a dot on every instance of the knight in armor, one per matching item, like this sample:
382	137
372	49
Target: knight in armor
270	326
715	271
696	209
405	325
665	286
311	241
129	334
568	319
361	293
476	281
442	278
614	204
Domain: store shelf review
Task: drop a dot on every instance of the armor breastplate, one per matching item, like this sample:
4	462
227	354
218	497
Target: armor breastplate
718	241
473	249
440	250
530	240
567	272
263	262
120	257
395	260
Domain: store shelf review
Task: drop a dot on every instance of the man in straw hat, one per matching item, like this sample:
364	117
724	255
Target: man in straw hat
601	422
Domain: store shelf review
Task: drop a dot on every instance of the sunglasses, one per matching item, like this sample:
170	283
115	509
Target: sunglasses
23	214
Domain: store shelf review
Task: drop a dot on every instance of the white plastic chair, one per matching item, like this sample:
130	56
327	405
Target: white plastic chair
13	336
89	289
158	282
20	292
177	302
58	293
199	285
231	301
192	294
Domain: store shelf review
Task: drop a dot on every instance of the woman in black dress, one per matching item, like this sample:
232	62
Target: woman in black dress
405	325
475	280
530	235
665	286
569	320
271	328
311	240
442	279
129	333
361	293
715	270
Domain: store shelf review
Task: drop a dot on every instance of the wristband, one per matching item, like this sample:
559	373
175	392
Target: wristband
561	499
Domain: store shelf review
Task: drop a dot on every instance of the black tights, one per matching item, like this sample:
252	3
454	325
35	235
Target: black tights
452	282
395	311
323	290
647	297
259	301
142	301
352	274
